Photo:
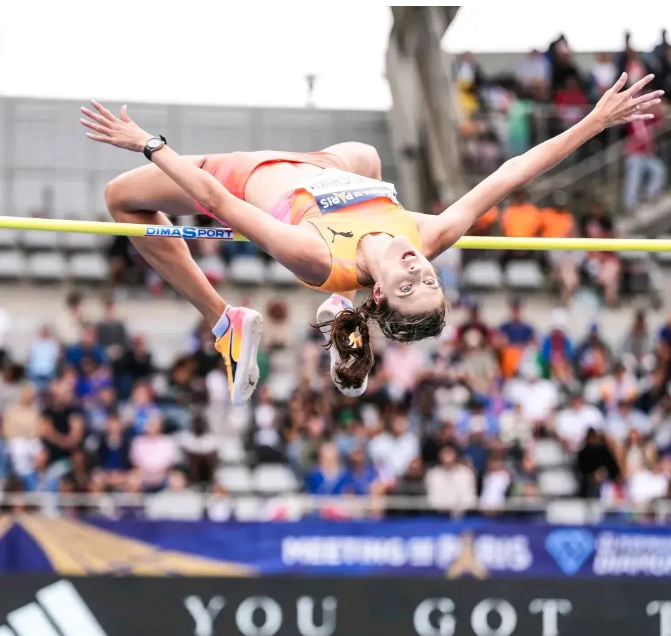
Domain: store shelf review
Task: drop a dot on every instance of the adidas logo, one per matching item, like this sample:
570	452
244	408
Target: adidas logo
59	611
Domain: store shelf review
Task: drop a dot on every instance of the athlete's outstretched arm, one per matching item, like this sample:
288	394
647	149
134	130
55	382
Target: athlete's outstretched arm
614	108
291	245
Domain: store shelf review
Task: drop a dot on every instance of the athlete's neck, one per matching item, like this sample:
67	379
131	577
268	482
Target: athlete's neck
372	247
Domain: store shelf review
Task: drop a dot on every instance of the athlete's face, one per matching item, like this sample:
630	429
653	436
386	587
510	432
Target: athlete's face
408	280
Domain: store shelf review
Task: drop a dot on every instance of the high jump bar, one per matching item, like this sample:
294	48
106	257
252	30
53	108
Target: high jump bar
226	234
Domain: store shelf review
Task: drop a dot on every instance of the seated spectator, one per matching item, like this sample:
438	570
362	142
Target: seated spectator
571	102
636	453
153	453
596	464
364	479
496	483
593	356
624	418
132	366
200	448
80	472
87	347
557	349
573	422
92	378
517	336
476	450
391	452
329	477
111	330
477	419
558	222
603	74
267	440
21	429
276	329
62	426
45	476
411	484
176	501
140	409
351	437
617	386
520	219
534	73
43	359
102	404
648	484
303	451
643	163
474	322
536	397
114	451
70	324
479	366
433	443
526	478
402	365
451	486
638	347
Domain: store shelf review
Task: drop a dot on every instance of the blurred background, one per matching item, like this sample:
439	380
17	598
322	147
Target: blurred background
533	438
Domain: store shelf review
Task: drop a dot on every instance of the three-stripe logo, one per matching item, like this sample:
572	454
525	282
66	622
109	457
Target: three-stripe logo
59	611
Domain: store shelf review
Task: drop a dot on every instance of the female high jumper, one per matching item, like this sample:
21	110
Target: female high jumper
328	218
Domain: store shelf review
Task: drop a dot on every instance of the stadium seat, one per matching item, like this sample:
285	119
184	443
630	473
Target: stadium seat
557	482
274	478
280	275
248	509
40	240
9	238
81	242
179	506
236	479
231	450
46	266
548	453
88	267
575	512
483	274
524	275
247	270
12	264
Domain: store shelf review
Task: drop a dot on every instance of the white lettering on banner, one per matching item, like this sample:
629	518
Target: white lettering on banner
305	616
222	234
204	615
663	608
632	555
272	616
480	617
550	609
446	623
497	553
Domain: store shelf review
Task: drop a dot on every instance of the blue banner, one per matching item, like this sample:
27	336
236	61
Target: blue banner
473	548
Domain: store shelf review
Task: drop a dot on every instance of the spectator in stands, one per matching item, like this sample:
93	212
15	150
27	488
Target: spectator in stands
113	448
517	335
624	418
451	486
44	476
593	356
43	359
573	422
267	441
276	329
496	484
411	486
477	419
638	347
636	453
329	477
87	347
616	386
71	323
363	476
200	448
479	366
153	454
596	464
141	408
519	122
557	351
558	222
571	102
391	452
401	365
21	430
62	426
519	219
648	484
434	442
111	330
534	73
474	322
303	451
134	365
603	74
643	162
469	82
537	397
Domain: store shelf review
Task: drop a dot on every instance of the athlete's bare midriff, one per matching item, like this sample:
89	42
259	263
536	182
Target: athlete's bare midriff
271	181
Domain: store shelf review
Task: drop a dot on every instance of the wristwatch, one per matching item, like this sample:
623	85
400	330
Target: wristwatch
153	144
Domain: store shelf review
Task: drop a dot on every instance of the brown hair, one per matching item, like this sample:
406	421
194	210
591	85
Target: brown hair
357	361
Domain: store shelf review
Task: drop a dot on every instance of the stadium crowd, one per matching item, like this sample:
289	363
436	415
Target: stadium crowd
460	423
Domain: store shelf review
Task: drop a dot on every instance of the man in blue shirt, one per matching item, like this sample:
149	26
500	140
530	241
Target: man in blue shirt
517	332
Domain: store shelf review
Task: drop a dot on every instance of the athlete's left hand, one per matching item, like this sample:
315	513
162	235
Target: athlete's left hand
121	131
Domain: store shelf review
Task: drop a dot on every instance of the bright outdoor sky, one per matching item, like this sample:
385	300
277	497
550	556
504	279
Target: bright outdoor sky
220	52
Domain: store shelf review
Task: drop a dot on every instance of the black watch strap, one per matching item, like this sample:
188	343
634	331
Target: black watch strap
151	148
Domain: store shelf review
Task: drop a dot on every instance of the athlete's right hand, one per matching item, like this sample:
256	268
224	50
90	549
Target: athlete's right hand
121	131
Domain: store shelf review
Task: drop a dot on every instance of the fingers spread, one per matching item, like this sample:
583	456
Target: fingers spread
94	116
639	85
102	110
648	98
642	116
93	126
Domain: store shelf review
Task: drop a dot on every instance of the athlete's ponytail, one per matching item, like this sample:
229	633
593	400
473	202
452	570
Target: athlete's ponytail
351	337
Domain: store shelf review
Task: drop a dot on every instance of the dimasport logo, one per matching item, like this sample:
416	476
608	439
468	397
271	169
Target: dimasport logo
222	234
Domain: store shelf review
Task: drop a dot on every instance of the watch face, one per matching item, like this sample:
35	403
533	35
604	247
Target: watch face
154	143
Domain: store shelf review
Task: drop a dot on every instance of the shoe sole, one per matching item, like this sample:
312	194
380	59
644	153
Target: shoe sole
251	336
324	314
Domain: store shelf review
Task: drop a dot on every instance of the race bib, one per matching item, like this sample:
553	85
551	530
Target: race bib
334	190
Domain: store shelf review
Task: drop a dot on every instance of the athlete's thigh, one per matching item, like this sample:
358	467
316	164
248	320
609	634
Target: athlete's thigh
149	188
358	157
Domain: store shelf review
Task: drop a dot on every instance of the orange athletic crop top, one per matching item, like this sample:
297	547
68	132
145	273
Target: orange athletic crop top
345	207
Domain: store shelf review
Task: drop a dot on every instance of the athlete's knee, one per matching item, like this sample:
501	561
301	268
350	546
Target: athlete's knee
114	195
368	160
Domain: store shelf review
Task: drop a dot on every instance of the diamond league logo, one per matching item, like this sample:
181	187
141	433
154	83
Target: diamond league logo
570	548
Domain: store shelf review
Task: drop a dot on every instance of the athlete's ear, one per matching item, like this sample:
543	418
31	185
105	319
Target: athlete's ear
377	294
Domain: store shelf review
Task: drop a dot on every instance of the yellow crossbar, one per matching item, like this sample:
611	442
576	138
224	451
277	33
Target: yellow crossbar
225	234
